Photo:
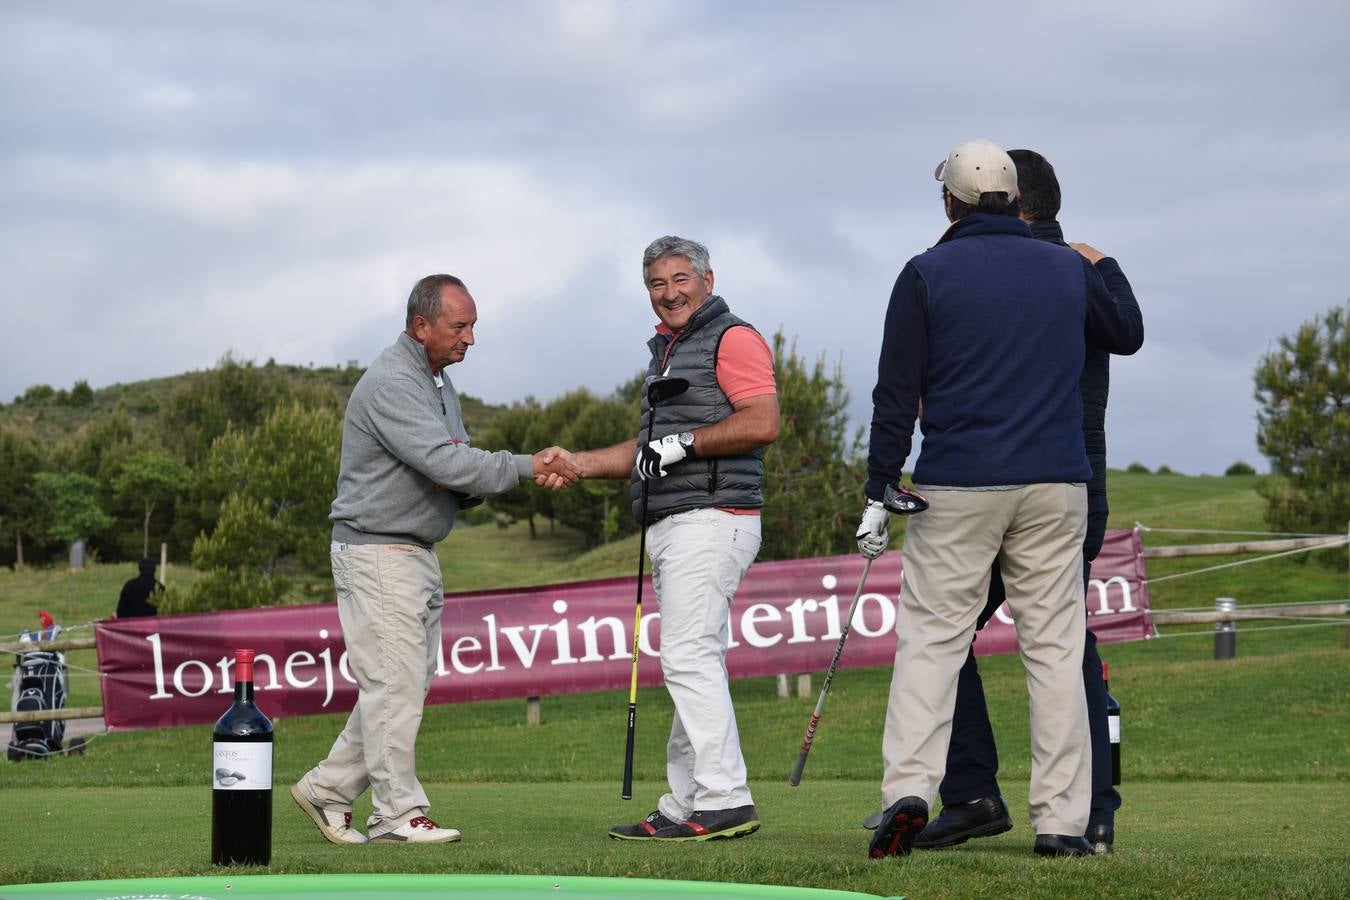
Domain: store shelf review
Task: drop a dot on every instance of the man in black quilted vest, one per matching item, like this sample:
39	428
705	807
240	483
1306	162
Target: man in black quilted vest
703	467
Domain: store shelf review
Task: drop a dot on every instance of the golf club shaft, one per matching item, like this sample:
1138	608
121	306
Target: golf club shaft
627	792
796	777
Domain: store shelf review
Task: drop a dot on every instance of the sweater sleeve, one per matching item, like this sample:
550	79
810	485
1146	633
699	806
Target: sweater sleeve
419	441
900	374
1114	322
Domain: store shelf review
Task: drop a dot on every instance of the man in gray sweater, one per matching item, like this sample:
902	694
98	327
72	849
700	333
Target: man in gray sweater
407	468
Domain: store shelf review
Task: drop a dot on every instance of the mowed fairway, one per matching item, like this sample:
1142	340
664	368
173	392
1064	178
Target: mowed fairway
1237	774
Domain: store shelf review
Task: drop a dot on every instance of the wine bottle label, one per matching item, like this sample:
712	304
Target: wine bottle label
241	766
1113	727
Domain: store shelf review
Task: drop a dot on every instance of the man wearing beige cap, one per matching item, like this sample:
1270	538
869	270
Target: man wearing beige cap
987	330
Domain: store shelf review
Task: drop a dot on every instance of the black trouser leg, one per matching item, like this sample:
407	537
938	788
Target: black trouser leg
1105	798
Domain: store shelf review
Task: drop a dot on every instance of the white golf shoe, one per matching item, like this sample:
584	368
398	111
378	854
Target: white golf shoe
335	826
419	830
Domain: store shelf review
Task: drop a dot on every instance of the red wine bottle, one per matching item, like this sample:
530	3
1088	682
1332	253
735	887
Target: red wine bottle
241	777
1112	727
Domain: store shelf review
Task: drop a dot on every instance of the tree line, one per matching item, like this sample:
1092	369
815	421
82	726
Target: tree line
235	469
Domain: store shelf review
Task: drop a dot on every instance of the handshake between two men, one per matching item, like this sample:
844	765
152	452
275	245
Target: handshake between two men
557	468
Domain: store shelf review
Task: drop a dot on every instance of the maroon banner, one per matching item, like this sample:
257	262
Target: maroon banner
558	639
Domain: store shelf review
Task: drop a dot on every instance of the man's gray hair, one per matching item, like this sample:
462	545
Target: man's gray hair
670	245
425	299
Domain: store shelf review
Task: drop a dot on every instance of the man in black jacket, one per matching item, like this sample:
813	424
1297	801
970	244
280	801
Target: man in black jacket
136	593
987	331
971	803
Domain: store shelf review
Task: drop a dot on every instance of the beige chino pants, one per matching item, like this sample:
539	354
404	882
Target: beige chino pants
389	598
1036	532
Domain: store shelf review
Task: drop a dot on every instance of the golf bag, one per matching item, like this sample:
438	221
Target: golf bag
39	684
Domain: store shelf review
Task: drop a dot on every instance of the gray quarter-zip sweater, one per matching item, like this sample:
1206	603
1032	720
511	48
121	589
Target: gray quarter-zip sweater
406	460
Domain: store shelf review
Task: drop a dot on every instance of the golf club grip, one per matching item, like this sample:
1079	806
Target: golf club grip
796	777
627	793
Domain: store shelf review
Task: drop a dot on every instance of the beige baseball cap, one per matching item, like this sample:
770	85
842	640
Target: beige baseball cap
977	167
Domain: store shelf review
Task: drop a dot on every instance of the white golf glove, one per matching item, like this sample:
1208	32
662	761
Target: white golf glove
654	457
872	536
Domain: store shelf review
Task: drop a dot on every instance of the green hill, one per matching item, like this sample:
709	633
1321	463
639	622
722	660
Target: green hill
55	414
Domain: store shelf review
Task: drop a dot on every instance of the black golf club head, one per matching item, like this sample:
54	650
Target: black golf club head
661	388
903	501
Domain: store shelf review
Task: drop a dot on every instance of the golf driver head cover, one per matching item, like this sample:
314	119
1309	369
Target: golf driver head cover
655	456
903	501
872	534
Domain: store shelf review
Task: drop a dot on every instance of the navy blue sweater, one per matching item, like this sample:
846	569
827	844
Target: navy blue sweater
988	329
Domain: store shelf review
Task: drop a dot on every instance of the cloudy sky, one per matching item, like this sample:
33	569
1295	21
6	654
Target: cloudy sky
179	180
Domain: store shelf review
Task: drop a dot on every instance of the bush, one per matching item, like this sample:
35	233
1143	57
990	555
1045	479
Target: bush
225	589
475	515
1165	470
1239	468
38	393
1137	468
81	394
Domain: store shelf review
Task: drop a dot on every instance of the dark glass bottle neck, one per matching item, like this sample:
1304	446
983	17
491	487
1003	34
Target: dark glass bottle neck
243	692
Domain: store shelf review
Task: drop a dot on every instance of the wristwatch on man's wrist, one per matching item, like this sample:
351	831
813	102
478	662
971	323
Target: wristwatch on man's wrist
686	439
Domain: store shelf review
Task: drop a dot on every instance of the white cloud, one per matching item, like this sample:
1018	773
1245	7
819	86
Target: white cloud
168	98
181	180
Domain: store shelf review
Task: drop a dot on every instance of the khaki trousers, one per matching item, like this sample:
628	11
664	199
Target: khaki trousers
1036	533
389	598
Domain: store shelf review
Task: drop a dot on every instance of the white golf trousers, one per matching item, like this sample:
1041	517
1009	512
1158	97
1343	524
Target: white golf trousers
698	561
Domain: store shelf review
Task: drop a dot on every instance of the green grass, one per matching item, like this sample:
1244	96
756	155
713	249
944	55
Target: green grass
1237	773
811	838
1237	778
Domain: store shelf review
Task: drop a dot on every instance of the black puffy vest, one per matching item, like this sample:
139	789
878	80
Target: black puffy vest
728	482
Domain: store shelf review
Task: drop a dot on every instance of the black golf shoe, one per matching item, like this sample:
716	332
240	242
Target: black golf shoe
1101	837
959	822
900	825
712	825
641	831
1061	845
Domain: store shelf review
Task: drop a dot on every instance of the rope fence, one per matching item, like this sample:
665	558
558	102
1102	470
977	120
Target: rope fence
1323	623
1287	546
1278	534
